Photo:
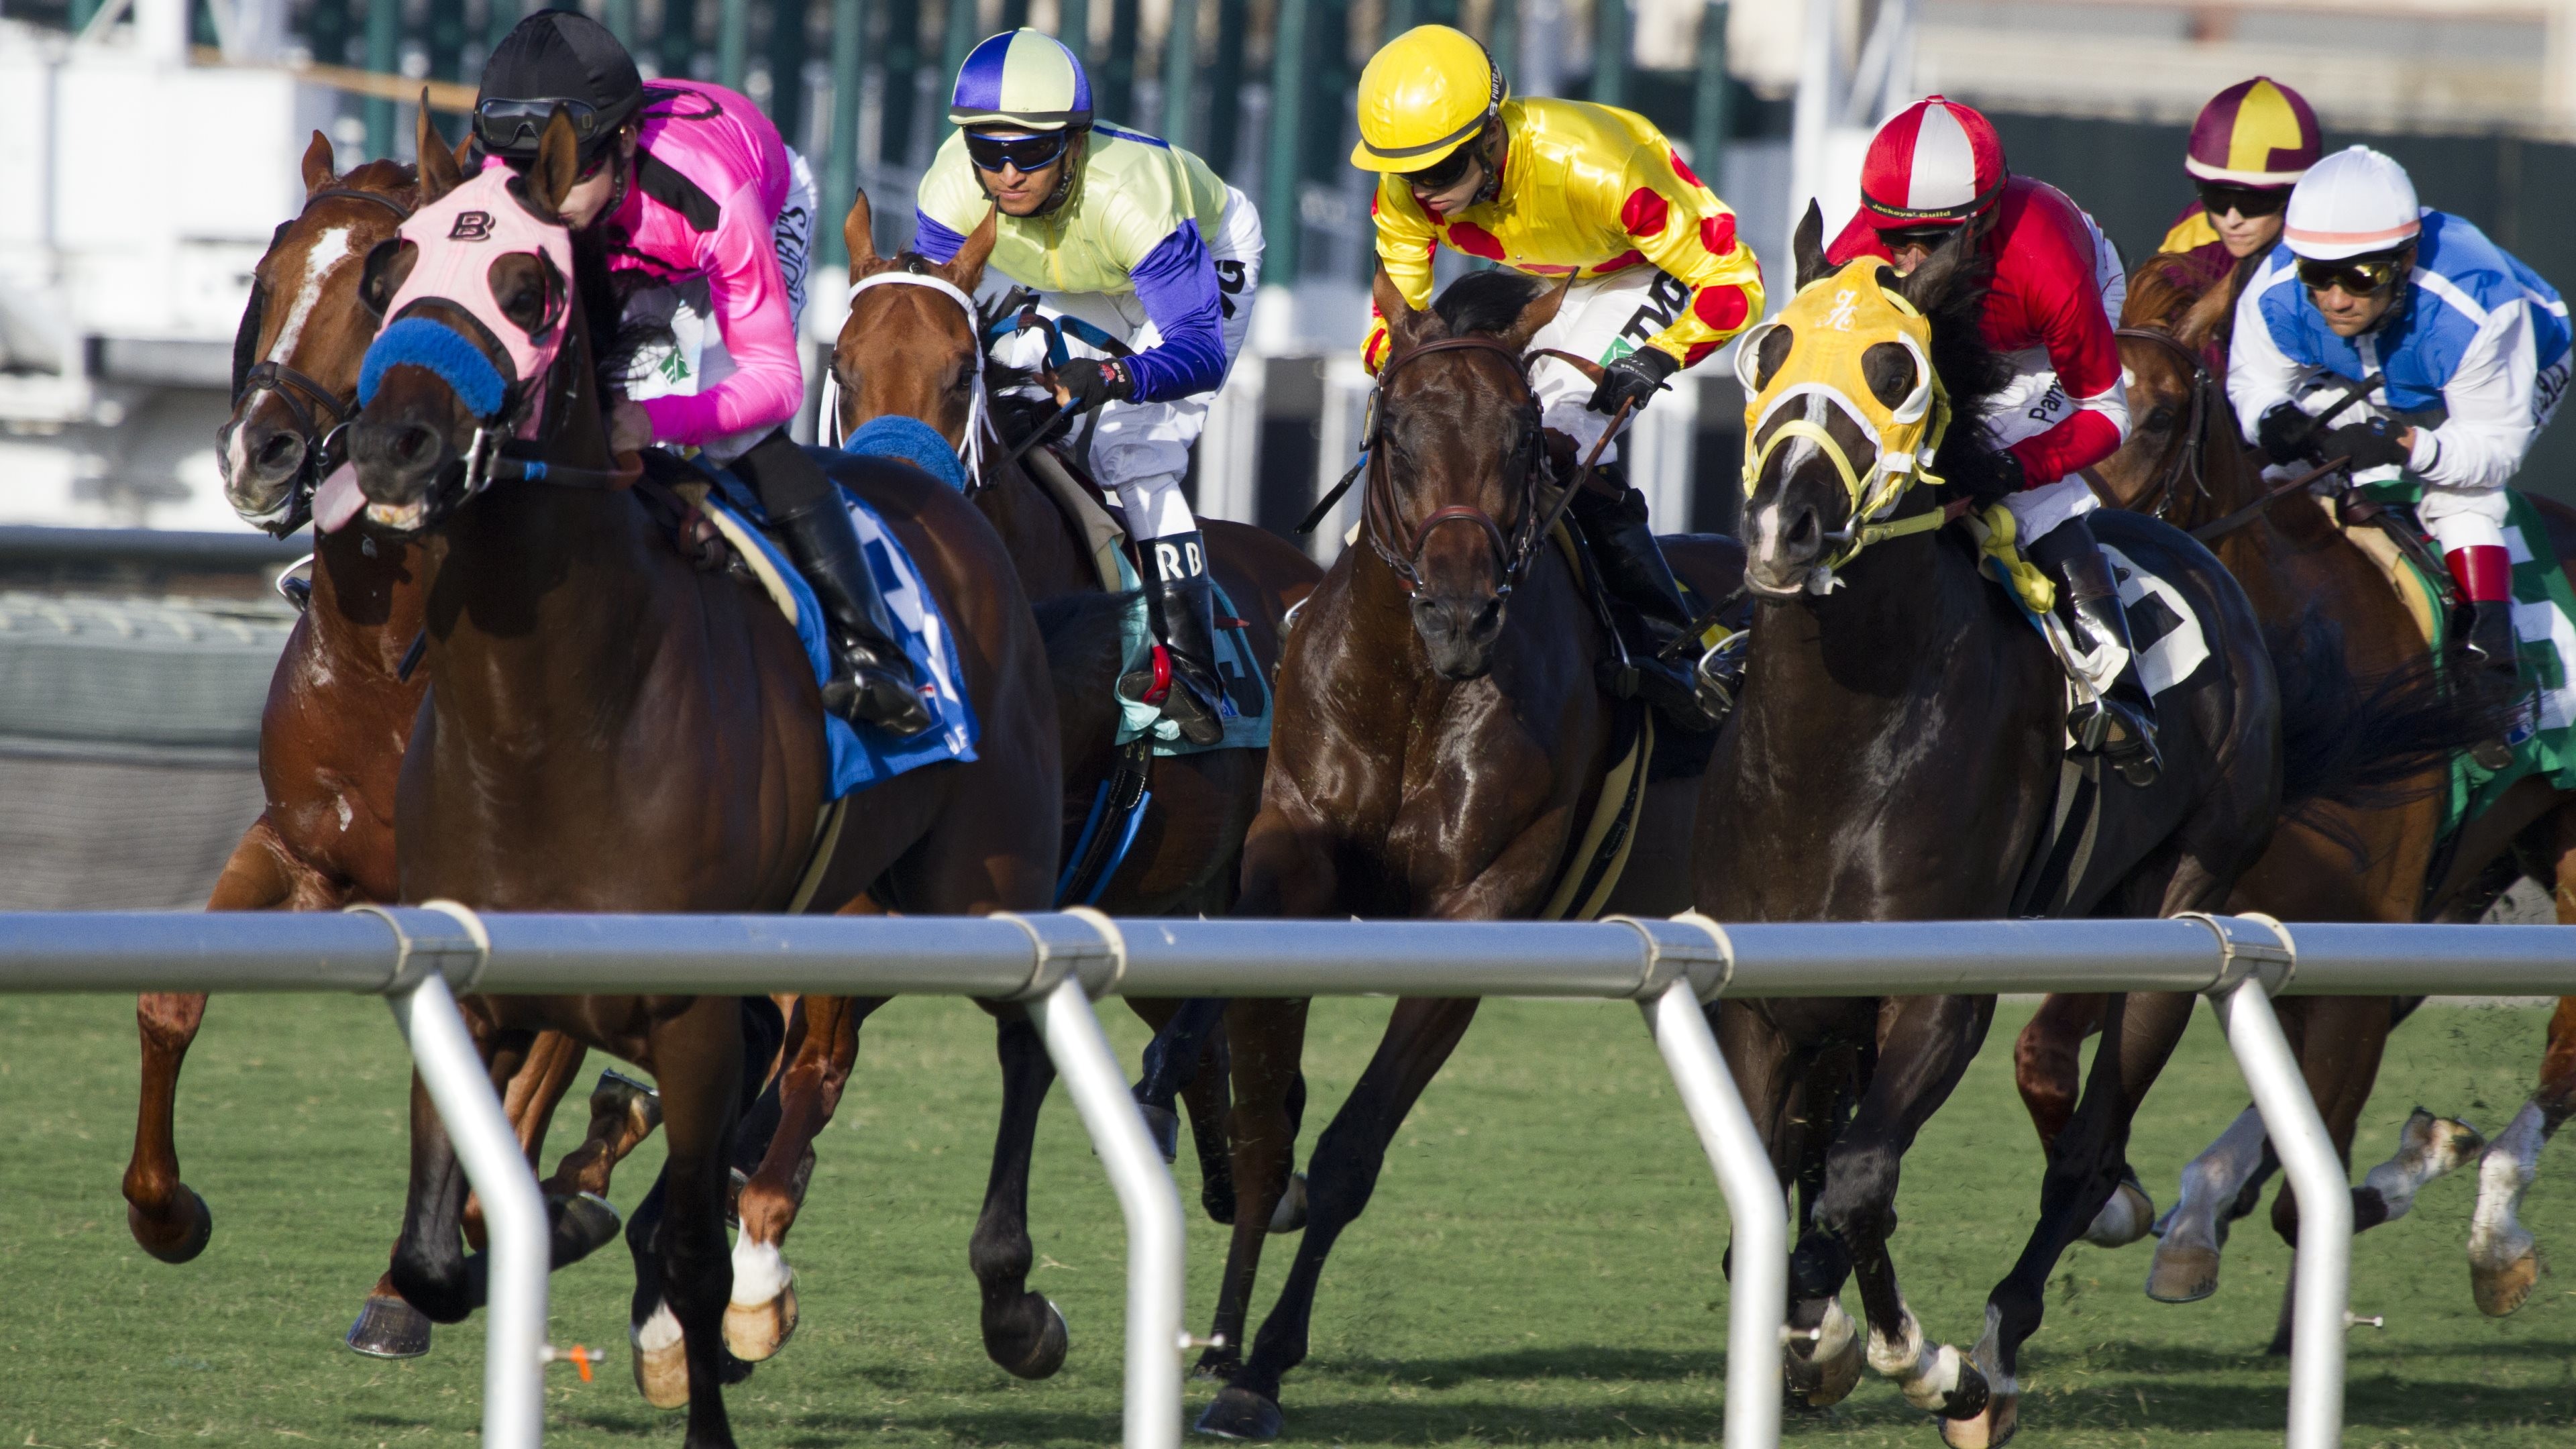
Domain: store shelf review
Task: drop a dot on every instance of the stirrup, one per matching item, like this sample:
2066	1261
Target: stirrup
1180	699
871	693
2134	754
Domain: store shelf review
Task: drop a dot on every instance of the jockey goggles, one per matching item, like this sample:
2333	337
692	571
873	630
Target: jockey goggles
2357	276
2219	198
1833	322
1449	169
509	127
1027	154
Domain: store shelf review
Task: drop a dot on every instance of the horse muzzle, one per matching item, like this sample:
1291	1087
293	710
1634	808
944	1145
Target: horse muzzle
1458	633
404	470
1782	545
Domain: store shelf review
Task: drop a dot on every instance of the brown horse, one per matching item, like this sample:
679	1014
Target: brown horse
1898	756
339	713
1440	747
2375	860
914	351
575	657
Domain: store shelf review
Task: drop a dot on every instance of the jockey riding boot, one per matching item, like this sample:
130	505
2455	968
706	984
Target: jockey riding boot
1633	566
2121	724
2484	573
1180	602
871	681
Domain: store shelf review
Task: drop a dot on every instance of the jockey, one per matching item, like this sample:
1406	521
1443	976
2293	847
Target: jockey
1564	188
2471	347
1126	239
1934	176
2251	144
687	185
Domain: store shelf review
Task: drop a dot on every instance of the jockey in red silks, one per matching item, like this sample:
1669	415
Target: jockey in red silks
1935	177
706	218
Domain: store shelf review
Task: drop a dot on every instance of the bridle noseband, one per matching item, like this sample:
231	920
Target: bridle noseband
2188	464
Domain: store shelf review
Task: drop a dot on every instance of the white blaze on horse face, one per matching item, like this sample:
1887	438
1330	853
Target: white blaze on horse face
328	251
1767	525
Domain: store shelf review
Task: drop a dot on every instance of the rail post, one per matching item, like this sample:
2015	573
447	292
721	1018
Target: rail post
2251	969
430	942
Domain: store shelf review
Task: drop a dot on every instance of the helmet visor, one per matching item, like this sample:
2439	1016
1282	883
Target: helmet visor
514	128
2218	198
2357	276
1026	154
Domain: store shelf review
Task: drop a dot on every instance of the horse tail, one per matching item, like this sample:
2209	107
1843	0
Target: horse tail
2371	745
1085	640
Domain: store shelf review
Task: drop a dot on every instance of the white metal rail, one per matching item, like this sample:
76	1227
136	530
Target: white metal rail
421	957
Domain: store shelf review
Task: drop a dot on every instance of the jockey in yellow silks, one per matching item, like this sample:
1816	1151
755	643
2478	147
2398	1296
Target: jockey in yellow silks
1564	188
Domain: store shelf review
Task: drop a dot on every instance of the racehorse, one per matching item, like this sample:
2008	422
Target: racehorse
1441	742
912	346
338	712
2185	462
1899	756
589	684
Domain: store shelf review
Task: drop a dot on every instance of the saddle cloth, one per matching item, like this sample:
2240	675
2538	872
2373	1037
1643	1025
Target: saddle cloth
860	757
2171	645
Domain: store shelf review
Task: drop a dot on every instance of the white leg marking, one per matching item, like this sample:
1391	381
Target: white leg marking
1927	1374
658	1332
2495	1238
1834	1334
2428	1147
759	1272
2211	1182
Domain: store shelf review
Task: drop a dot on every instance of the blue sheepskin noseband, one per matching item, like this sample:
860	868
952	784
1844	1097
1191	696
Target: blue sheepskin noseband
421	342
912	441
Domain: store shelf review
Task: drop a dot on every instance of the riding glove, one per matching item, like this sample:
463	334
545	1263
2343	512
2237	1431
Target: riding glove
2285	432
1088	383
1635	378
2374	444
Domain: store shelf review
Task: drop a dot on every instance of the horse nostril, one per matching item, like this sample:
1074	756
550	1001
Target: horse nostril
416	444
1804	531
281	453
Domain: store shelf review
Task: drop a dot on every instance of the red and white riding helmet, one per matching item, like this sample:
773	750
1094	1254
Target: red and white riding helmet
1935	161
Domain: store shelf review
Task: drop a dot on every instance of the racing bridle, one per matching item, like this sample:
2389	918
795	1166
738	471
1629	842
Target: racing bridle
2188	464
318	414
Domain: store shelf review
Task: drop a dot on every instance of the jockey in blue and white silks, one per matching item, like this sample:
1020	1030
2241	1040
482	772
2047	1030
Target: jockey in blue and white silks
2473	346
1146	262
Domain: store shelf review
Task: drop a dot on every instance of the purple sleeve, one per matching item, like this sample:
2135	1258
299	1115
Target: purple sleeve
1177	283
934	241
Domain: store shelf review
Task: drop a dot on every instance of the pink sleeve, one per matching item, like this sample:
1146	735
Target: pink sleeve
750	300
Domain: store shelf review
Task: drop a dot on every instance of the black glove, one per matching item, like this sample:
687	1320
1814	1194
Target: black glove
2374	444
1089	383
2285	433
1635	378
1998	474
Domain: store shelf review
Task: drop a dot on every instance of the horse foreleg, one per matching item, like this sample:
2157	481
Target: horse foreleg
2217	1188
822	1046
2048	1055
529	1099
698	1059
1796	1100
1023	1332
2504	1259
166	1216
1266	1040
623	1112
1340	1178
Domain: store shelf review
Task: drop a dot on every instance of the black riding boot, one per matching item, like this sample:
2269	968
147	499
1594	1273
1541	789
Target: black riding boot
2488	633
1180	602
2121	725
1633	566
871	681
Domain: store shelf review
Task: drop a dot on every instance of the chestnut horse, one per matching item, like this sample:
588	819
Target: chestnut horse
574	655
2186	462
1440	745
338	714
914	351
1897	757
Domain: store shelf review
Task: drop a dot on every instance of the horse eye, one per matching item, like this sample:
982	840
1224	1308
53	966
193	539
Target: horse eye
2159	420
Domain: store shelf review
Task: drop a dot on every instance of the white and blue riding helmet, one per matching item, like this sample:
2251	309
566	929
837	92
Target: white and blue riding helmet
1021	80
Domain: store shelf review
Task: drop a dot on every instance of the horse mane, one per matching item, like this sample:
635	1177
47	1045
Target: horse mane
2167	291
388	177
1952	298
1488	302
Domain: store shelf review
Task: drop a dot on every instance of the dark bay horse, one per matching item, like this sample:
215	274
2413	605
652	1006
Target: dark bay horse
2186	462
339	713
590	686
1440	747
1896	757
914	351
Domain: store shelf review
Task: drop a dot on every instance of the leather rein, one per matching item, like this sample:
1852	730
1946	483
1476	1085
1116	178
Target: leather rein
319	414
2190	463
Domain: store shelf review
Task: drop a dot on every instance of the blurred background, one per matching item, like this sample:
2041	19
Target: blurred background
148	147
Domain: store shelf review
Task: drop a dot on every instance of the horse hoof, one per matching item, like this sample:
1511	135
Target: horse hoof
2501	1290
1290	1215
1164	1126
586	1224
1042	1360
756	1331
387	1327
1992	1429
1241	1414
2182	1273
662	1375
1821	1374
154	1237
2123	1220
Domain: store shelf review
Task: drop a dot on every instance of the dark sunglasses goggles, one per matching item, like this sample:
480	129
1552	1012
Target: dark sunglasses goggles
504	125
2219	199
1025	154
1930	238
1448	171
2357	276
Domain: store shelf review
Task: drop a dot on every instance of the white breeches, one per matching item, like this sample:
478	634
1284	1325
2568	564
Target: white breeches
1604	318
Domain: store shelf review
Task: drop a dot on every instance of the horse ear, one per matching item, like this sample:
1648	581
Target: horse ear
966	269
2202	320
1807	244
1541	310
1403	323
439	173
859	235
318	169
558	165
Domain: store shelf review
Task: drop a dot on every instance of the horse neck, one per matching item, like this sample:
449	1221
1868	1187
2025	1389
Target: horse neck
1862	662
367	604
1046	547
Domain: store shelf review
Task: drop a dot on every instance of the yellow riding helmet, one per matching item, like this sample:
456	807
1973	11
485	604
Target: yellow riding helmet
1424	94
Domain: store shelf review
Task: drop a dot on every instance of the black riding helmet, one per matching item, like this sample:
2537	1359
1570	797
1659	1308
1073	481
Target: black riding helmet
555	58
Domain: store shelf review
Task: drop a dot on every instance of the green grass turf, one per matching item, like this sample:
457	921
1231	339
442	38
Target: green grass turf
1540	1264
